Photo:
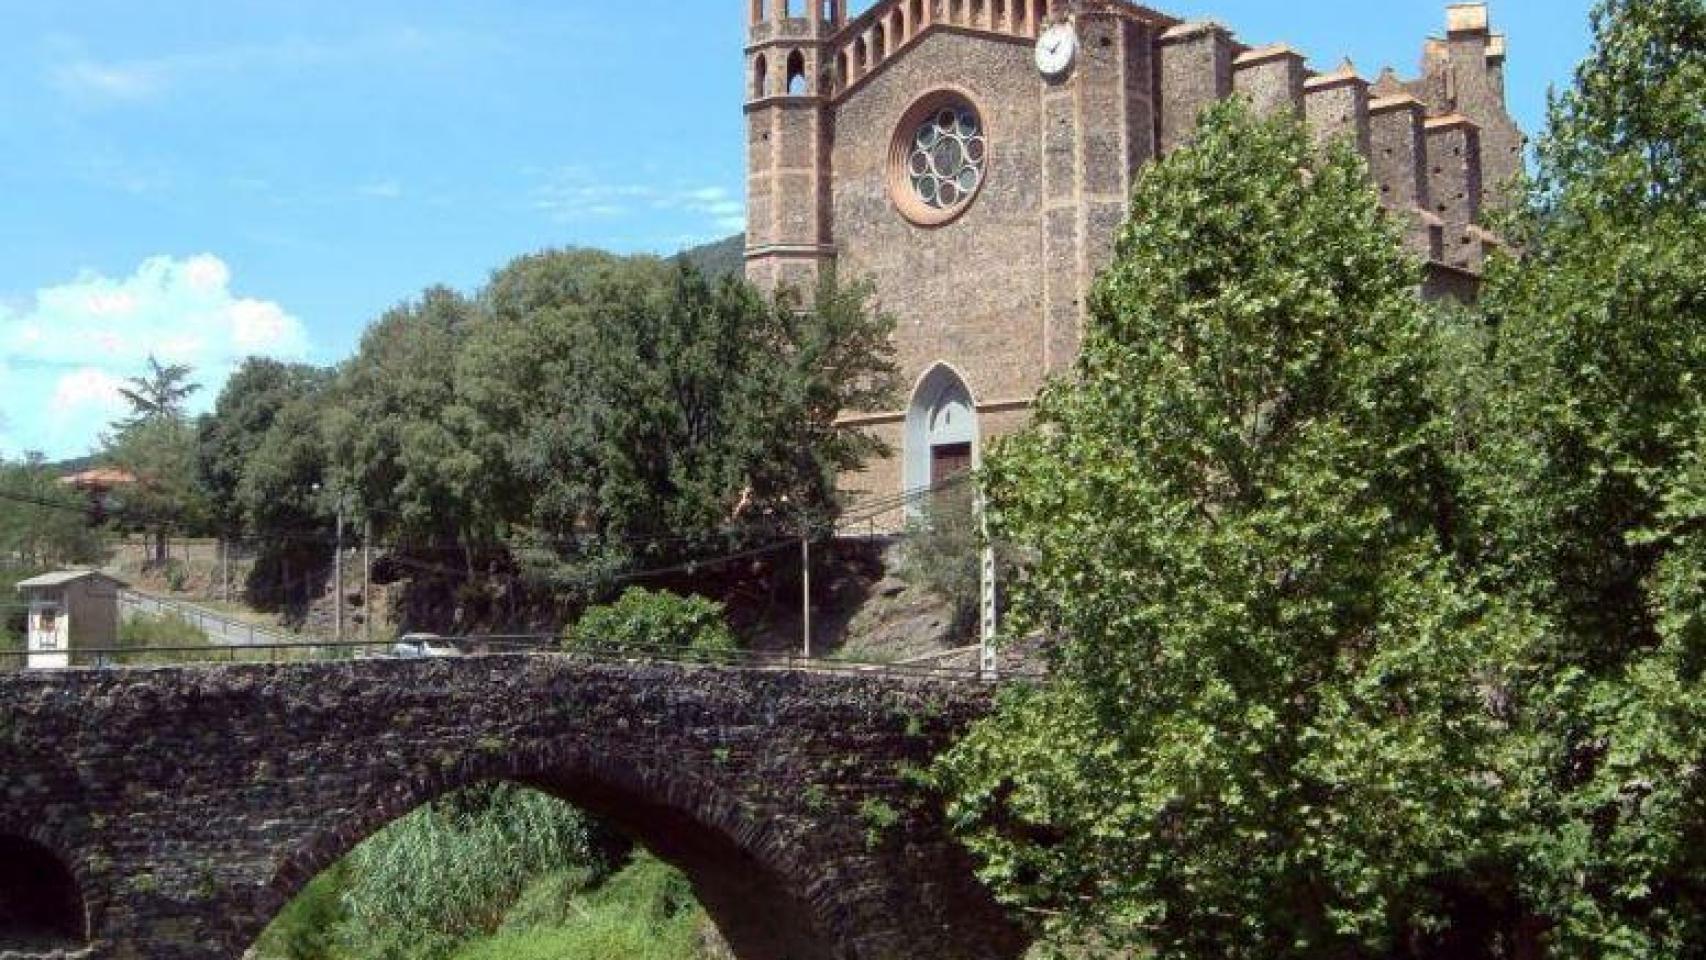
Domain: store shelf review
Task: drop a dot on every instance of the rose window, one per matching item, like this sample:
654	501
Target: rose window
938	158
946	158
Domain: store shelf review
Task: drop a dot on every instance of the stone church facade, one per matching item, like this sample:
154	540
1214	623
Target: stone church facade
974	158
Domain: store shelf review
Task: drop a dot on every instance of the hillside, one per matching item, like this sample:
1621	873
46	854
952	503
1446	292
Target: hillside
722	258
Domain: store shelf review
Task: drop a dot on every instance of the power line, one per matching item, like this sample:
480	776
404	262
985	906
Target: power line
869	509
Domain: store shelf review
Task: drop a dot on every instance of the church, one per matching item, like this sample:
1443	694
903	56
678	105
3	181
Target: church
973	158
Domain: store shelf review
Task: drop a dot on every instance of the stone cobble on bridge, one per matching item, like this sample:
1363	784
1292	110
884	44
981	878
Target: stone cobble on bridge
191	804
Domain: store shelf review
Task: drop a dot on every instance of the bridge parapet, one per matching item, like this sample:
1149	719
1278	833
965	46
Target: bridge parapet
190	805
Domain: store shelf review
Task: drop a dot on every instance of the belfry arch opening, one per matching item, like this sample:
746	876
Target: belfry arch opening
749	904
41	906
797	84
760	78
942	433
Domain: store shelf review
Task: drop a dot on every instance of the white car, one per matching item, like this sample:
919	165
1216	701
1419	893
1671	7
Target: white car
416	646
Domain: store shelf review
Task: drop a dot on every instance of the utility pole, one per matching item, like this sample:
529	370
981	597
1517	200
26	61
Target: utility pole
367	580
338	578
806	588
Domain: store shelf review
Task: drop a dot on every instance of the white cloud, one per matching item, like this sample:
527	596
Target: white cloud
573	194
125	82
84	389
71	349
93	80
382	190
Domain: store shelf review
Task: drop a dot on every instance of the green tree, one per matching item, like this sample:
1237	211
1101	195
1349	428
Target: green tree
1583	435
160	452
1272	724
650	417
400	444
1595	378
160	393
47	525
252	403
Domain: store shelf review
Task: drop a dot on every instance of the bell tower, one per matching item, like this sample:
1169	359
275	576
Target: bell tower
789	80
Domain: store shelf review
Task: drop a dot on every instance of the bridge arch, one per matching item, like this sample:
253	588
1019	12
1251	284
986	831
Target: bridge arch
743	871
189	805
41	897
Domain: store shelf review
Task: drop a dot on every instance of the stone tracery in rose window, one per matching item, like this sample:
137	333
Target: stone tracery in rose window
947	157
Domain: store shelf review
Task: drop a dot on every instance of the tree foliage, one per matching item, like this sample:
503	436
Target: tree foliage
1582	443
159	393
259	451
156	445
47	527
1265	734
654	416
587	415
1377	634
160	452
400	443
648	622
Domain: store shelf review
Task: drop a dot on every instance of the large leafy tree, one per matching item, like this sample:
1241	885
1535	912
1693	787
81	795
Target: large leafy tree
262	458
653	416
265	404
1596	378
403	450
1583	446
1270	727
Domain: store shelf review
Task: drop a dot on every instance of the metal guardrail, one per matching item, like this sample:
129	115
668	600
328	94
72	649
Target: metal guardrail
516	645
221	630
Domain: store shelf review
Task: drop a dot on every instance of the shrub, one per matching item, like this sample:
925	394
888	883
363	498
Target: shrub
646	621
942	553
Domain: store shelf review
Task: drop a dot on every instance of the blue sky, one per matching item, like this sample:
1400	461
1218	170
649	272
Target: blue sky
205	179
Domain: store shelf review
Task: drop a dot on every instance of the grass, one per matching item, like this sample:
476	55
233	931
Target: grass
644	912
493	873
145	636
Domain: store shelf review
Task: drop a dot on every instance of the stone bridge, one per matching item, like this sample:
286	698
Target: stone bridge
168	814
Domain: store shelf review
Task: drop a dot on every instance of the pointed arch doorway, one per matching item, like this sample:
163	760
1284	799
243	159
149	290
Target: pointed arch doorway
942	434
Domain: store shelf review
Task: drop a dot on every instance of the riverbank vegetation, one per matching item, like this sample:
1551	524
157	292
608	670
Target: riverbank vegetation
493	872
1379	630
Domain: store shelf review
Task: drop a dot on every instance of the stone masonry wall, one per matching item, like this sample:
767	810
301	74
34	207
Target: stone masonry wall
968	291
190	805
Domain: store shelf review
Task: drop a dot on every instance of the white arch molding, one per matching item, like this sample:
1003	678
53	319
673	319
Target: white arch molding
943	437
942	434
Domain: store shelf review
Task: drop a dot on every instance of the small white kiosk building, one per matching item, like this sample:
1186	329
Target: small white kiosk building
69	611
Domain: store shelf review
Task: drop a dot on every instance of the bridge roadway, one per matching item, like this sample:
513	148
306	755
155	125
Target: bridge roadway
169	813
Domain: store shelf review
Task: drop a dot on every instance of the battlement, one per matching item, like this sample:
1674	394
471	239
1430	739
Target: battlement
1442	146
880	33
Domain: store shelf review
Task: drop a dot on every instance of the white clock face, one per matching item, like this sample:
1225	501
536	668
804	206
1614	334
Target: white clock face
1056	49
